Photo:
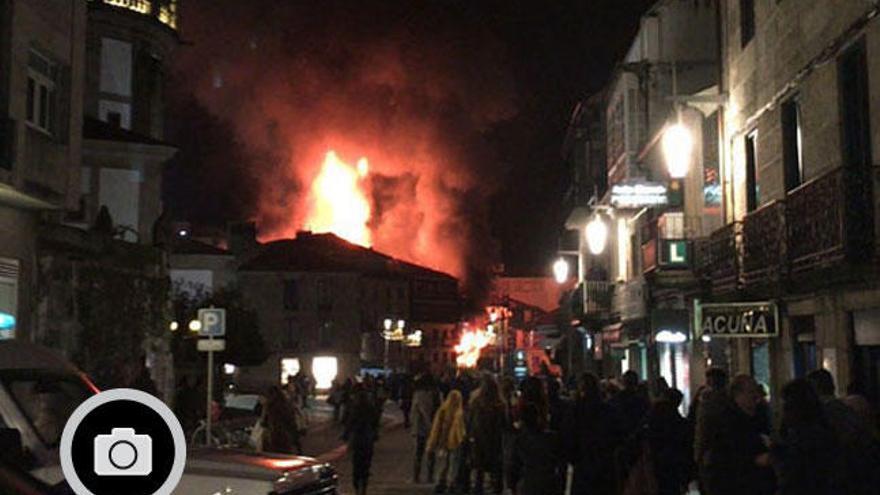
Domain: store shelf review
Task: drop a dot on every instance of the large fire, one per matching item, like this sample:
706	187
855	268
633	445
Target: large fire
471	344
339	203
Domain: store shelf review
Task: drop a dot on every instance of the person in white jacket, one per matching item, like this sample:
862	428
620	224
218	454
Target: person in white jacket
425	401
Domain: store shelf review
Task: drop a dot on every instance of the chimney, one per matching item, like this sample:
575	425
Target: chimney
242	237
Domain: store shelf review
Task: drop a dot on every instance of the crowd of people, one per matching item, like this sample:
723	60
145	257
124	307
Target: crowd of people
624	437
474	433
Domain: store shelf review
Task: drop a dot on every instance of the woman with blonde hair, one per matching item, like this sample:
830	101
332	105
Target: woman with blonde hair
447	436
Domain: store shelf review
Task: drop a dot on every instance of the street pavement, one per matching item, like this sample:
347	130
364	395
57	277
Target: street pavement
392	466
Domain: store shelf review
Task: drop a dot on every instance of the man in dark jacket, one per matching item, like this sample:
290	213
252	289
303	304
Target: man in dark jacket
736	461
631	404
858	445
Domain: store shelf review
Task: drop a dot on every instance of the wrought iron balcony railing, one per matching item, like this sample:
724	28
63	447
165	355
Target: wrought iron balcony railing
830	219
592	298
764	245
719	258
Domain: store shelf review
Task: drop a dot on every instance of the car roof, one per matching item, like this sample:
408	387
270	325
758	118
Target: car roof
20	355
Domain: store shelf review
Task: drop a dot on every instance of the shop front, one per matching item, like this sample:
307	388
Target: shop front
866	353
671	330
741	334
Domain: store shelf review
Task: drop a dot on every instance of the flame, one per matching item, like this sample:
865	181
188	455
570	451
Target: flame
470	345
339	201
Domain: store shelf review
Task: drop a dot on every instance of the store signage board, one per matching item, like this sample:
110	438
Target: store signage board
737	320
639	195
674	253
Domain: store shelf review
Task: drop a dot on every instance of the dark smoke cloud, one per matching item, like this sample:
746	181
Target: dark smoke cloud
415	87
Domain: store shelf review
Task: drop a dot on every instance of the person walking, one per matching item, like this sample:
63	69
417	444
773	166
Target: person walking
707	416
486	424
361	433
591	433
448	433
426	400
805	453
669	438
736	459
632	403
537	466
280	423
859	447
405	397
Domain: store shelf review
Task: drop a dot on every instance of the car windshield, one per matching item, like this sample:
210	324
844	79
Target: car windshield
47	399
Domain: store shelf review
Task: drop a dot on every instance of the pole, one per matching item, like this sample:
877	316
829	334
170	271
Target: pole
210	382
386	355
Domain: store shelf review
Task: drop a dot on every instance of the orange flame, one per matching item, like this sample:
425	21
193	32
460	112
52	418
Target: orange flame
339	203
470	345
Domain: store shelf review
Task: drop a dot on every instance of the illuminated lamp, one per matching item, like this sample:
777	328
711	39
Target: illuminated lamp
669	337
560	271
678	146
597	235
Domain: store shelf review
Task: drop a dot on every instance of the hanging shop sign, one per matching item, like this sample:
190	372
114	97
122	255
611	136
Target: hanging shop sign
750	320
638	195
674	253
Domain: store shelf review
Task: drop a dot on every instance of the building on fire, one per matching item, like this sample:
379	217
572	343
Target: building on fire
740	214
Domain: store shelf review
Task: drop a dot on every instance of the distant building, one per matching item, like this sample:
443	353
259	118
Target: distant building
318	296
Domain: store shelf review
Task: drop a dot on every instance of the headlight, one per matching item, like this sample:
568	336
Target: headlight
320	479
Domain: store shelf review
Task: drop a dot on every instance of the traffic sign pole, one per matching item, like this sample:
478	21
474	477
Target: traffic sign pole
208	418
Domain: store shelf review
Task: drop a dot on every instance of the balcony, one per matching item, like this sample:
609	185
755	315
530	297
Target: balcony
830	221
592	299
164	11
823	231
764	245
719	258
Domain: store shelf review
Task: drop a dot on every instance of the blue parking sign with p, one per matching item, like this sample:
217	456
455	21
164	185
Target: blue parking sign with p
213	322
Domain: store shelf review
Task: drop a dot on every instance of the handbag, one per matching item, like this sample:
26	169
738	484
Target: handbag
257	433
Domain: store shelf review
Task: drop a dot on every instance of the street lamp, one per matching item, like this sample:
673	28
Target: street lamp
678	146
195	325
560	271
597	235
387	324
173	326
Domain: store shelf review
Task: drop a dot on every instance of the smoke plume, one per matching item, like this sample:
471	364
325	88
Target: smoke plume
415	90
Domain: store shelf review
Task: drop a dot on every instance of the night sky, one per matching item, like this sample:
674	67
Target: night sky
481	92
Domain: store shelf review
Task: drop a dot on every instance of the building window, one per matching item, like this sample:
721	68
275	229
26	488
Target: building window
41	104
752	191
291	295
325	296
792	146
855	117
746	21
291	334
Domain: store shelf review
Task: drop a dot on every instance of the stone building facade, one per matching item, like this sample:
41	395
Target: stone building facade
799	135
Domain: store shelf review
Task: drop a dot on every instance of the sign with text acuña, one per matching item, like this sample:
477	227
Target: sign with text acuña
747	319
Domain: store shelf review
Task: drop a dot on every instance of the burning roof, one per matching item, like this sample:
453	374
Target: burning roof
310	252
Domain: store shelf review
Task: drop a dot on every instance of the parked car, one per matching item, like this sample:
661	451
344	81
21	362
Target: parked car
39	390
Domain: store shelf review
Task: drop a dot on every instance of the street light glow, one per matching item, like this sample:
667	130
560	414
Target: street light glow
560	270
173	326
195	325
678	145
387	323
597	235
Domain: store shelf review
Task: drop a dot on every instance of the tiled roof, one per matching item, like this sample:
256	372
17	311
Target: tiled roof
310	252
